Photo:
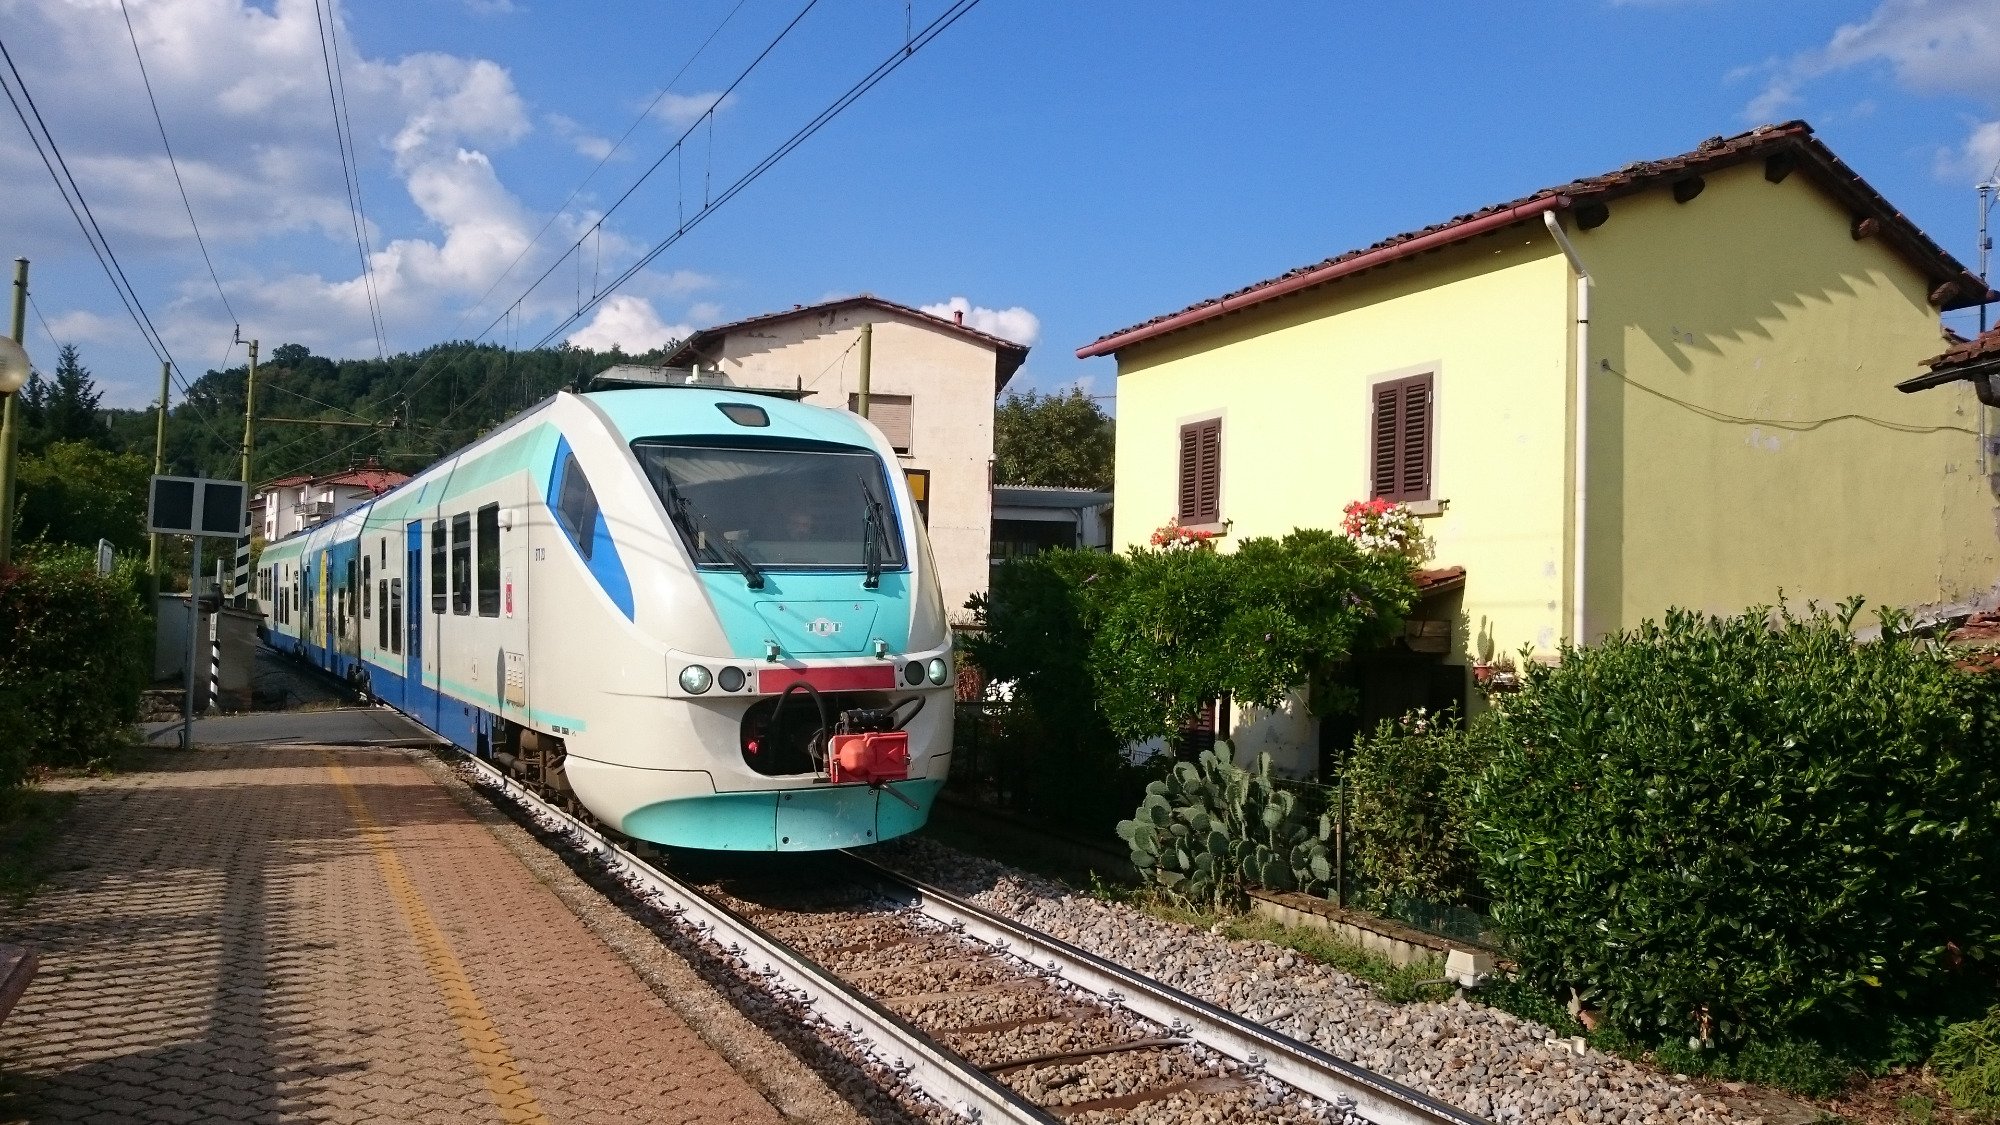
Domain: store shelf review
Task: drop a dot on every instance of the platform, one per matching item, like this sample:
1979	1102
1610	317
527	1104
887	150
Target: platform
332	726
291	933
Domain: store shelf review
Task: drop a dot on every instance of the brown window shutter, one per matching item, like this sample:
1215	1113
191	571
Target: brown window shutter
1190	469
1415	482
1208	479
1382	441
1401	440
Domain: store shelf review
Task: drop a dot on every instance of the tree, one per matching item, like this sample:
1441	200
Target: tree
69	407
75	492
1052	440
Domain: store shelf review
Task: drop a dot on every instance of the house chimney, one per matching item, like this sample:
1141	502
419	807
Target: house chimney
958	317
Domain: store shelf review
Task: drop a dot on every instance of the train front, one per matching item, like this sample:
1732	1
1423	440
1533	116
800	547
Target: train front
808	660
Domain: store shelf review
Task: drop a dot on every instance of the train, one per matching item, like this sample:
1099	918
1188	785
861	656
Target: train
709	617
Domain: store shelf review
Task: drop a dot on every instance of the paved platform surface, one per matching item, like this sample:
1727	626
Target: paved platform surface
282	933
333	726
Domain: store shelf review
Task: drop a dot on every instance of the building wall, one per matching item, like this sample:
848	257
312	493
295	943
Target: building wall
950	383
1291	383
1746	435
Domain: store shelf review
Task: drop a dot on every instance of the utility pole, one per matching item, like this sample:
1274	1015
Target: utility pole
1986	193
867	362
8	410
241	592
159	464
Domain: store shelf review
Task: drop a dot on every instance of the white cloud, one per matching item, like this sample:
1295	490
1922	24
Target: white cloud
705	312
1016	323
583	140
628	322
1948	47
683	110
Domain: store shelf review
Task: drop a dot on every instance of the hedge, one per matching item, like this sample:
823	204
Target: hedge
76	651
1729	828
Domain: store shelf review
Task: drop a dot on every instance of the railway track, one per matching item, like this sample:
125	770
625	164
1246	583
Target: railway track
989	1019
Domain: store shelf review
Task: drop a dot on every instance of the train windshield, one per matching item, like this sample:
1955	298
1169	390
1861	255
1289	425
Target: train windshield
821	508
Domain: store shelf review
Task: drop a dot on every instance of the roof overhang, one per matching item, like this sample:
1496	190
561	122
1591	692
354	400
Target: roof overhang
1332	271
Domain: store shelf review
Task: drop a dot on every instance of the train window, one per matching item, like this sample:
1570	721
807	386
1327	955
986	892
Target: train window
437	567
489	561
818	507
576	507
461	564
396	615
382	619
367	585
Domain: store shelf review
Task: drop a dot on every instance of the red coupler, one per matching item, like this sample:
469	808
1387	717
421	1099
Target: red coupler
870	758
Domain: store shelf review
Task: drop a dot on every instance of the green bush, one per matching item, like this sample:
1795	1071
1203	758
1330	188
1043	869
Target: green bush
1743	828
1967	1063
1211	830
1406	808
76	651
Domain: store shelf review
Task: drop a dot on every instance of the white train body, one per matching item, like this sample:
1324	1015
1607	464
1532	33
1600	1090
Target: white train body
532	599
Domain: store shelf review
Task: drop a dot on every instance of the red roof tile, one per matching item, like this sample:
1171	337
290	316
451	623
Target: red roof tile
377	481
1009	354
1966	359
1793	139
1438	581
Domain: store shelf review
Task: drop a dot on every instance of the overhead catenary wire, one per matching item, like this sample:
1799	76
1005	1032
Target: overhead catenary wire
626	195
888	66
601	162
172	163
52	159
336	85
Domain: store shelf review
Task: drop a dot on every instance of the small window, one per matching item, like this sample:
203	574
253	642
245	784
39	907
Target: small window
1400	439
1201	472
489	561
439	575
396	615
382	619
576	507
461	564
892	414
367	601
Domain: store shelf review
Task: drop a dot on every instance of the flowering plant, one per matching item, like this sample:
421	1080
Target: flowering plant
1388	527
1174	536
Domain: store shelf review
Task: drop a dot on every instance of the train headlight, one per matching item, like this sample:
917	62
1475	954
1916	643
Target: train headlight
913	673
731	679
938	670
695	679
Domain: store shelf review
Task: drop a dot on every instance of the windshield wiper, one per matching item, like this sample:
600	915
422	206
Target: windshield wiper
874	530
695	528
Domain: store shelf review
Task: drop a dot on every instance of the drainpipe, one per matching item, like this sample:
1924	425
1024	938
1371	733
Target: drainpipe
1580	509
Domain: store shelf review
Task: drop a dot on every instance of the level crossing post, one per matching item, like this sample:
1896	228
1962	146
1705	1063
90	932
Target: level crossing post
215	646
193	633
240	591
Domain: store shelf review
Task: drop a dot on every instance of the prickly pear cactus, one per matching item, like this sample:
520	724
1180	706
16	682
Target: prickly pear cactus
1211	830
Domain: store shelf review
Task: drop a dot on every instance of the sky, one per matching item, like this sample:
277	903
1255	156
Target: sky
1057	169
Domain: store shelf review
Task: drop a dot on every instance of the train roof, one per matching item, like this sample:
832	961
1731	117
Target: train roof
654	412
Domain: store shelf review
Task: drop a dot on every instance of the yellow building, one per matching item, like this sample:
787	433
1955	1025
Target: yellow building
1729	325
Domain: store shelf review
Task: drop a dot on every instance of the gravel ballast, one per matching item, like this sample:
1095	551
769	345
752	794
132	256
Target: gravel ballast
1481	1059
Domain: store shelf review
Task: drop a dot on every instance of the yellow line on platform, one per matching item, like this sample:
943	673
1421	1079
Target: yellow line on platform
482	1039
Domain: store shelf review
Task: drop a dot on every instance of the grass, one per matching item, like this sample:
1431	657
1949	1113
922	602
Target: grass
30	819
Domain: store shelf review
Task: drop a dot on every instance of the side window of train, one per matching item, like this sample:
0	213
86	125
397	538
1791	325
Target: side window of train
438	572
396	615
382	619
576	507
461	564
489	561
367	586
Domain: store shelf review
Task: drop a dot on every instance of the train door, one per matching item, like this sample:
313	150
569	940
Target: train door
413	615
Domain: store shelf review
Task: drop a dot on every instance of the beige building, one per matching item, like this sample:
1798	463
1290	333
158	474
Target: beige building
932	386
289	505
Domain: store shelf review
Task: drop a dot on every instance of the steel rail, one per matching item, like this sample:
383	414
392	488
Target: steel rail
940	1073
1299	1065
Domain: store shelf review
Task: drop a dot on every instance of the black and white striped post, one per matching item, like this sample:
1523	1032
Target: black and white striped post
215	646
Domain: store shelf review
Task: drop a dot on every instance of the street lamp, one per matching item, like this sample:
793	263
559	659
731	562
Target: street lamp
14	371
